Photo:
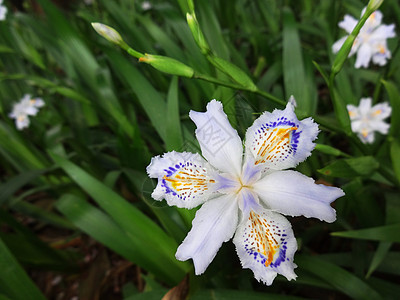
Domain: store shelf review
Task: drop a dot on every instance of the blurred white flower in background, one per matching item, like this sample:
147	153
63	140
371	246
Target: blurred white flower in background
370	42
28	106
3	11
146	5
366	119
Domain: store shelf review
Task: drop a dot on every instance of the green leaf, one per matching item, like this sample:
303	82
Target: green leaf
339	278
148	97
233	72
351	167
159	246
14	282
101	227
12	185
379	256
174	140
394	154
329	150
224	294
294	74
394	97
341	112
387	233
18	151
168	216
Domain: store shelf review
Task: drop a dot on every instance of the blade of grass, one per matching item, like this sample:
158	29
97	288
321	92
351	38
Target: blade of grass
156	242
174	138
339	278
101	227
294	74
14	282
388	233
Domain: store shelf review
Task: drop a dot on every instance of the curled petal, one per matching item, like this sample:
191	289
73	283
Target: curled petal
184	179
220	143
265	243
294	194
278	140
215	223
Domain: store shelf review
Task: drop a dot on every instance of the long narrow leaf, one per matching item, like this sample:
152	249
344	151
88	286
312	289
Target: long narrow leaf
157	243
14	282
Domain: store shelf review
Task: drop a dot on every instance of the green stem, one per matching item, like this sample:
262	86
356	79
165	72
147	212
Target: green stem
238	87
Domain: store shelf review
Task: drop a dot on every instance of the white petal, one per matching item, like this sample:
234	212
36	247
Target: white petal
383	32
295	194
367	137
265	244
278	140
184	179
357	125
353	112
365	107
348	23
374	20
364	55
220	143
215	223
338	44
380	126
22	121
37	102
381	111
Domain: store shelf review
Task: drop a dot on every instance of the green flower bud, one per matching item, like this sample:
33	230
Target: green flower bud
108	33
374	4
197	33
167	65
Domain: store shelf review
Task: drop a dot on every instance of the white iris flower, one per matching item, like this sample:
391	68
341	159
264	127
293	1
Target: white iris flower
22	110
245	195
3	11
366	119
370	42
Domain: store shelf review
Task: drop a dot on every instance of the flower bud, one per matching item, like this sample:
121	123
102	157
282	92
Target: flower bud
167	65
374	4
197	33
108	33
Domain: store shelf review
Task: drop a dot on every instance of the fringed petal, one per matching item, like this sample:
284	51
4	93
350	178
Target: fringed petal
278	140
265	243
184	179
220	143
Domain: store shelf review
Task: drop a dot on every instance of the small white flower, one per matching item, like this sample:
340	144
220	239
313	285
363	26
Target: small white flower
146	5
370	42
3	11
365	120
26	107
245	195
